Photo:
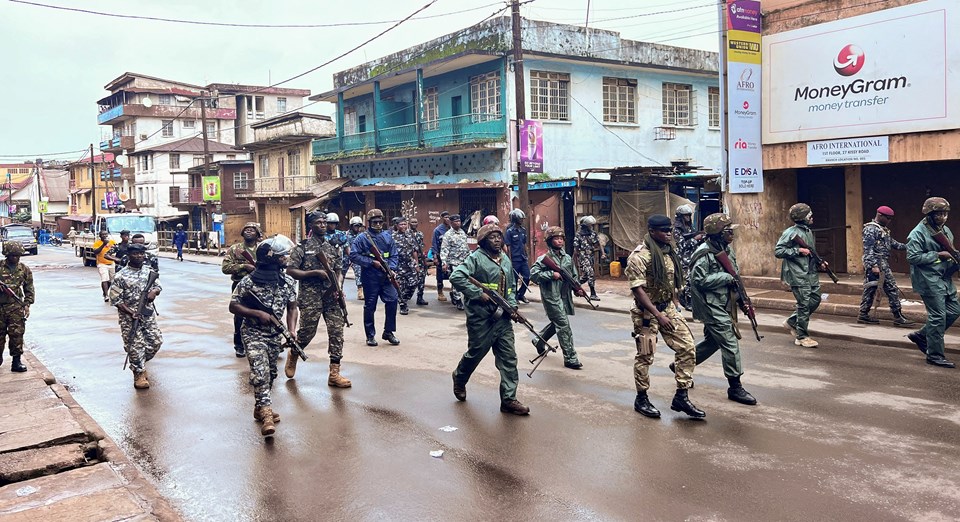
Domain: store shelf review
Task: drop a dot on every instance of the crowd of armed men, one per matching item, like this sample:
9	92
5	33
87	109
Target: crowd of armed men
281	290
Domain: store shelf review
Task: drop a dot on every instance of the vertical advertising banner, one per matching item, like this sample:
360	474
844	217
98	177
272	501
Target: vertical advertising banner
531	145
744	124
211	188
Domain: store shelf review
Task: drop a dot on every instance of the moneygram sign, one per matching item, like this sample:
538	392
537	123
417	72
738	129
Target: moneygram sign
869	74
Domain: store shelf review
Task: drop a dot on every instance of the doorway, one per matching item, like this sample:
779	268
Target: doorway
823	190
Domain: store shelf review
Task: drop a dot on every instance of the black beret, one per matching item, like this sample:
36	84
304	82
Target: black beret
659	221
454	217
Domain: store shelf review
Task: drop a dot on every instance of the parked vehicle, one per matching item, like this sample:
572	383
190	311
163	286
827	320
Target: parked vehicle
113	224
21	234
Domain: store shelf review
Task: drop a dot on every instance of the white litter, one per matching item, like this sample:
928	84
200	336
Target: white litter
824	297
436	454
28	490
448	429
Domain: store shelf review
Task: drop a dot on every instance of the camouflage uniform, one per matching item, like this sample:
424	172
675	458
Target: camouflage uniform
407	268
12	322
232	265
142	345
680	339
877	243
683	237
264	343
338	240
422	273
316	297
587	245
453	250
351	237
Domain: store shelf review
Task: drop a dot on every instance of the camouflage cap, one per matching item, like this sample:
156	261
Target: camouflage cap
486	230
935	205
254	225
553	232
800	212
715	223
12	248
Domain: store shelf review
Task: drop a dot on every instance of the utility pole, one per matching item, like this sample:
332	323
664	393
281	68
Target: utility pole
206	158
93	200
38	166
521	110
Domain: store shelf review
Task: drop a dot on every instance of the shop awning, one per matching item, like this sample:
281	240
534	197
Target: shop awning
322	191
173	217
79	218
426	186
309	204
80	192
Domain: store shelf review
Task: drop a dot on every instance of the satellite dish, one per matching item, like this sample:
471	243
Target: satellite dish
120	159
147	102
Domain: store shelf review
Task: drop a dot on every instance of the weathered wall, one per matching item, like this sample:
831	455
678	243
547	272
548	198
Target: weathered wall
921	146
762	218
786	15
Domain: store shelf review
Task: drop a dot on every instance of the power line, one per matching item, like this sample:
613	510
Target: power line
713	4
64	153
614	133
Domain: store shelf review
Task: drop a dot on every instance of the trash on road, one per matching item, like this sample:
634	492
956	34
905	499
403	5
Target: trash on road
436	454
448	429
29	490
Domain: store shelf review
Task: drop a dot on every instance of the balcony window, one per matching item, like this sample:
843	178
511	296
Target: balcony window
679	105
258	107
619	100
431	109
166	99
174	161
485	97
281	105
241	181
349	121
167	131
190	124
713	100
264	166
549	96
293	158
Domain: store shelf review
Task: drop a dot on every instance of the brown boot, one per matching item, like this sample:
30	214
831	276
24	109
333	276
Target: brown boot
360	293
290	368
140	381
267	429
336	380
257	416
440	296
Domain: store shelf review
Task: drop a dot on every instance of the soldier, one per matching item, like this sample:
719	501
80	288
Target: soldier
437	242
516	240
453	250
356	228
422	263
118	252
710	288
150	259
239	262
557	297
105	265
800	272
485	329
408	263
317	296
877	243
585	245
931	272
687	239
376	284
13	314
653	270
125	292
264	292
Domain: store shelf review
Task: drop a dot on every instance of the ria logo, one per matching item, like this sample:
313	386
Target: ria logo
740	144
849	61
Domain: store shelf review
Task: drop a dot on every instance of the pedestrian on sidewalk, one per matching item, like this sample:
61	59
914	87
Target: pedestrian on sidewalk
239	262
105	265
800	272
436	244
265	292
687	239
14	311
486	329
586	244
877	243
317	297
179	240
453	250
653	270
556	297
516	240
356	228
376	283
710	292
932	267
421	260
128	286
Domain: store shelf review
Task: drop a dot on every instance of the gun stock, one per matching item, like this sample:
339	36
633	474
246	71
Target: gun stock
11	294
816	257
743	299
568	278
378	256
944	242
335	280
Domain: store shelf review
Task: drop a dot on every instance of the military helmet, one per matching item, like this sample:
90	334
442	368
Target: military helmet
553	232
315	216
374	213
179	225
935	205
684	210
800	212
12	248
516	215
715	223
274	247
588	220
254	225
333	218
355	220
486	230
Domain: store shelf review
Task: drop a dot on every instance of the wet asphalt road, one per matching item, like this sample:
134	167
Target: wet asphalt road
846	431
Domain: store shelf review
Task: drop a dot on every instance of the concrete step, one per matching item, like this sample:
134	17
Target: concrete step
847	285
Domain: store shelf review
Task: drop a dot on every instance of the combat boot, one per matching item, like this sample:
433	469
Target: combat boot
681	402
404	310
866	319
266	414
140	380
336	380
257	417
421	301
736	393
538	345
644	407
901	321
514	406
459	389
360	293
440	297
593	293
17	365
918	339
390	338
290	367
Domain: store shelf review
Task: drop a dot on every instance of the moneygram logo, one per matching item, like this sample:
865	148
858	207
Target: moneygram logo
849	61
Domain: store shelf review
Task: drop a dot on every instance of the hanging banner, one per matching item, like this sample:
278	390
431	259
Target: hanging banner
211	188
531	145
743	96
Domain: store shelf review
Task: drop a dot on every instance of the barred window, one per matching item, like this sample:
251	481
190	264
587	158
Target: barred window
293	159
619	100
431	109
713	99
485	96
549	96
241	180
167	130
679	105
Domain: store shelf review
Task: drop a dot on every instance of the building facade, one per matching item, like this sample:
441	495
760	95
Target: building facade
98	187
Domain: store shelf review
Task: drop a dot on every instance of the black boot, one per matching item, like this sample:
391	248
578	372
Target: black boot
17	366
390	338
421	301
593	293
901	321
866	319
736	393
643	406
403	308
918	339
682	403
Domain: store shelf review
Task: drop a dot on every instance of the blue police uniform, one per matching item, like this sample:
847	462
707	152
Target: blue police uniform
516	240
375	283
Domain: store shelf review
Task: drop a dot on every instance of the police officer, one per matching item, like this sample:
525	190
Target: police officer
557	297
585	246
422	260
710	291
516	240
932	268
653	270
239	261
800	272
453	250
687	239
877	243
317	296
13	313
356	228
374	279
128	286
487	330
435	246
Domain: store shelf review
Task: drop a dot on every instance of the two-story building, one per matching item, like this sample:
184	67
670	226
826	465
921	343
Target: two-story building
98	187
429	128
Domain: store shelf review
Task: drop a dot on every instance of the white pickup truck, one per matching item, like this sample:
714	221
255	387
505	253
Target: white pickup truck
114	224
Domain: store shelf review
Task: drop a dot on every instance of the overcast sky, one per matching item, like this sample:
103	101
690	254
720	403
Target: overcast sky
55	63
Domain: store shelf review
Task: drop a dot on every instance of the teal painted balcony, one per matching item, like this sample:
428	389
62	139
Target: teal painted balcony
466	129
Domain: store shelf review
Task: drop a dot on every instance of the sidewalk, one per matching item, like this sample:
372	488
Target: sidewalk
56	463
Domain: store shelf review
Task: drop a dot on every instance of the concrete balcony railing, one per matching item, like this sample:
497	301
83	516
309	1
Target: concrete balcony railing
111	115
288	185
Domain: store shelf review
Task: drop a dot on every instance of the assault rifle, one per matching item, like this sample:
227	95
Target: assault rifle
257	304
141	309
6	290
944	242
816	258
335	280
503	307
567	278
743	300
378	256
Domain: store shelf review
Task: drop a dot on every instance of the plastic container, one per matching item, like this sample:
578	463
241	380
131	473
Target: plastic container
615	269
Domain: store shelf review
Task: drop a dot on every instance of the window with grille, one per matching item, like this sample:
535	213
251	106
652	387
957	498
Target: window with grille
431	109
390	204
264	166
713	99
167	131
241	180
549	96
485	97
619	100
472	200
679	105
174	161
293	159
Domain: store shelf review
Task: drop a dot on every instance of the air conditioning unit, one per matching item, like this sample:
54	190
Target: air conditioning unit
143	137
